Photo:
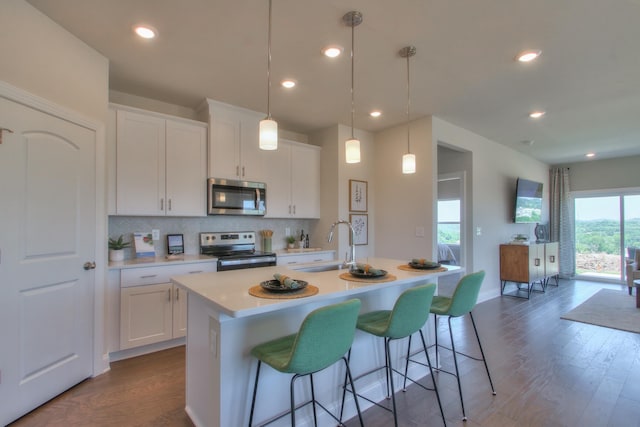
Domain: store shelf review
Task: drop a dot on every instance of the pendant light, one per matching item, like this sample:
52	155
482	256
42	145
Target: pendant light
352	146
408	160
268	135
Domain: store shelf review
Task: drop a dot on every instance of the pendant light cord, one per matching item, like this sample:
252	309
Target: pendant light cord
269	67
353	27
408	108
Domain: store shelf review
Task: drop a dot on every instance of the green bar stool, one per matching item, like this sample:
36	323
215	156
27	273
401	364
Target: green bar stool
462	301
410	313
324	337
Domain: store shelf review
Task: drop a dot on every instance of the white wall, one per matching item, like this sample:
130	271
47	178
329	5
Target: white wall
605	174
44	59
493	177
405	203
335	175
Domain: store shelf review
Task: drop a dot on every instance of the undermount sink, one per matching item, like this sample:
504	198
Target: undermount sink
319	268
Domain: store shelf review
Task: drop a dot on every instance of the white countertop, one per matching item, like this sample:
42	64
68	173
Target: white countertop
227	291
159	261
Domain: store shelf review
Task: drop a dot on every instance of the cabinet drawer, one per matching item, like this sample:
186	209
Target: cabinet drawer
305	258
161	274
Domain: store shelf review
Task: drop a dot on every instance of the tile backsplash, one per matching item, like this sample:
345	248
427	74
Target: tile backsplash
191	227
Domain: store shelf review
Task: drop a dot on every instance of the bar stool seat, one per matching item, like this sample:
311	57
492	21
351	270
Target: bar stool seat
410	313
325	336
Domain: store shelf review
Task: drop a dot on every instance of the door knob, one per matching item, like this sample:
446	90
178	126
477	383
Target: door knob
89	265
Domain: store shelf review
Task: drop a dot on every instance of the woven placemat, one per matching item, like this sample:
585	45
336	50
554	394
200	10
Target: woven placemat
407	267
350	277
260	292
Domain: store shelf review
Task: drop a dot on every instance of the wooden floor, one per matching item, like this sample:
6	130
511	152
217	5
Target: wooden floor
547	372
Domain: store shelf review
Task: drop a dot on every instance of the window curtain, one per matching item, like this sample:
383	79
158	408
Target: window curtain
561	224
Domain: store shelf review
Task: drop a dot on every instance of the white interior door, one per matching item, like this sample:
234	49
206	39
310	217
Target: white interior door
47	234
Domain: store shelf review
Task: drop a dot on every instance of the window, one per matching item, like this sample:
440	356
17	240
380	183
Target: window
449	221
605	225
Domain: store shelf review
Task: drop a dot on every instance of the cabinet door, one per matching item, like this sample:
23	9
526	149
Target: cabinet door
224	144
514	263
179	312
254	162
146	315
551	265
536	262
278	182
186	169
305	181
140	164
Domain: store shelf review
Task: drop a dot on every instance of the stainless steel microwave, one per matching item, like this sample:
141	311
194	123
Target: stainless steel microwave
230	197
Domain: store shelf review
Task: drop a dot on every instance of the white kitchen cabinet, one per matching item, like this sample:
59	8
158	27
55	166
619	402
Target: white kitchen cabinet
293	258
151	308
161	164
233	144
293	182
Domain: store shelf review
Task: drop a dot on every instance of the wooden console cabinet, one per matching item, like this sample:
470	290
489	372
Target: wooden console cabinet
528	264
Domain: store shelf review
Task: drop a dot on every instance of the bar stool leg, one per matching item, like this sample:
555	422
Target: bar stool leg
435	330
313	402
355	395
455	362
473	322
255	391
292	399
433	378
406	366
390	378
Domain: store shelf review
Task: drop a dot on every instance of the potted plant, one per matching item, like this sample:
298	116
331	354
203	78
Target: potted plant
116	248
291	241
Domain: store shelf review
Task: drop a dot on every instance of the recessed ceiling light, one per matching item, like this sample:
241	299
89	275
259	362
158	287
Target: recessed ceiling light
375	113
590	154
289	83
145	31
332	51
536	114
528	55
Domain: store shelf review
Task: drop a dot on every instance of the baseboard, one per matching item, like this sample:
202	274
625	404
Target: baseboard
146	349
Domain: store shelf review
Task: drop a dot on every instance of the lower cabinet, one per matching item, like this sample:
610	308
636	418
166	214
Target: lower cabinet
151	308
304	257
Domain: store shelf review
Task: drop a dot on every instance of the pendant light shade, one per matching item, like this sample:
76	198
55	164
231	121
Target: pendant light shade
409	163
268	131
268	134
352	146
408	160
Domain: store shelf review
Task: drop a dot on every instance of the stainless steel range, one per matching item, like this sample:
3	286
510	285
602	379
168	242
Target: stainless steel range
235	250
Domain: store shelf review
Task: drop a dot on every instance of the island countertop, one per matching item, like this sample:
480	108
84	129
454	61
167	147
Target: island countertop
228	292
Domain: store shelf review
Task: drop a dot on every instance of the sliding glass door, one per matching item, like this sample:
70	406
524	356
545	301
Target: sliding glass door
605	225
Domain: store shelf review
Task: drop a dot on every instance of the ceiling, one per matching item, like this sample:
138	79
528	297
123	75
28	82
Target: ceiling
587	78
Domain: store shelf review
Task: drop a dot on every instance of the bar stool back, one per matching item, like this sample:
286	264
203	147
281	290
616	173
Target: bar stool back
324	337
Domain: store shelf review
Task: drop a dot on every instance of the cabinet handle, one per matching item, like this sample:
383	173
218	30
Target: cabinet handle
177	294
317	260
289	209
169	295
552	258
237	170
161	204
148	276
294	209
195	272
537	262
292	262
243	171
169	204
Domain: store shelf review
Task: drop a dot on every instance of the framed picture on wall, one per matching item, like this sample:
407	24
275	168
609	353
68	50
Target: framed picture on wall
357	195
360	223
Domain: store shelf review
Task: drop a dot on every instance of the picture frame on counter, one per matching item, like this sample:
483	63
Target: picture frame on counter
357	195
360	224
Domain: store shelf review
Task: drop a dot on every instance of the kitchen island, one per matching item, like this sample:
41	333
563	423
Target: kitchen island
225	322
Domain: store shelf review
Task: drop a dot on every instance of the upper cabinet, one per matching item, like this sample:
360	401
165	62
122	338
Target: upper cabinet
293	181
161	164
233	144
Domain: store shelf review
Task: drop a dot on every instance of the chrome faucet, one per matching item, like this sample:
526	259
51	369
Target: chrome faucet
348	261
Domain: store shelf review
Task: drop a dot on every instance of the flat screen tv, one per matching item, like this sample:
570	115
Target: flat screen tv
528	206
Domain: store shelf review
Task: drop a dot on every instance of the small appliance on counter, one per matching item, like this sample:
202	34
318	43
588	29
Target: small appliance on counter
235	250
